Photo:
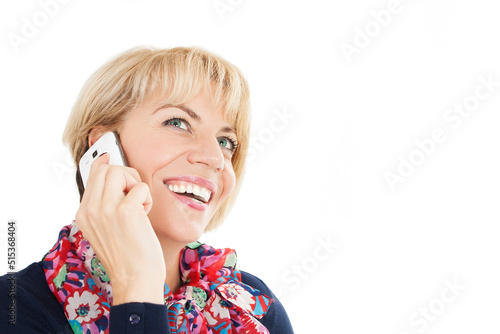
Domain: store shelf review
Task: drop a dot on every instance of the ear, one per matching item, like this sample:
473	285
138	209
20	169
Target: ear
95	134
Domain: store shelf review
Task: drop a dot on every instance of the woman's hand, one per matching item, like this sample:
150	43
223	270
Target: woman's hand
113	218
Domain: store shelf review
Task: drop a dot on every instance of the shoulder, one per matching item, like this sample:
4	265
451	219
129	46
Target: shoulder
276	320
26	300
256	283
25	278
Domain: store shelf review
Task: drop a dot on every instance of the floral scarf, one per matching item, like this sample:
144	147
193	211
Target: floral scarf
212	298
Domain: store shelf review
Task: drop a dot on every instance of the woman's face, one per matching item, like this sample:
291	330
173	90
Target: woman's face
180	153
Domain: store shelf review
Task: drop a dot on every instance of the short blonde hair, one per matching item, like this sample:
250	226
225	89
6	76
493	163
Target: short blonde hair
179	74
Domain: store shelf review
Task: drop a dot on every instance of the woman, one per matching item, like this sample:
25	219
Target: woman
129	262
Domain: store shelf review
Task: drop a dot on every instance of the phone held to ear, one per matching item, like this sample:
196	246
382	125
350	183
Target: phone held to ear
108	143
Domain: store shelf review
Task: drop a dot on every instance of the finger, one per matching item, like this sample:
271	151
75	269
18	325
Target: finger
102	159
97	177
119	181
123	177
140	194
135	174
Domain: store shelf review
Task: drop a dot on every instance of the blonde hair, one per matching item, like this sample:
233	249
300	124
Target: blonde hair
179	75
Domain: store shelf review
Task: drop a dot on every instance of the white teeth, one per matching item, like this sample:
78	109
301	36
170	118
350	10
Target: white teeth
206	192
194	189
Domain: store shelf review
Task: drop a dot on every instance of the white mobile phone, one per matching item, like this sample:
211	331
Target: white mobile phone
108	143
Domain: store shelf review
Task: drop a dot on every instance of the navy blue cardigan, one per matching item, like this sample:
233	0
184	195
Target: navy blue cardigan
38	311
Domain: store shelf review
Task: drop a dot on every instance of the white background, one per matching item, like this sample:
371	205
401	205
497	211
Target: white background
320	178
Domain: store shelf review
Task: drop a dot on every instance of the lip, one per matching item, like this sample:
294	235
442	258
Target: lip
189	202
195	180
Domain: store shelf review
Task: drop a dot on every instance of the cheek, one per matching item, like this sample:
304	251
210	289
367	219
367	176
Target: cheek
229	179
147	157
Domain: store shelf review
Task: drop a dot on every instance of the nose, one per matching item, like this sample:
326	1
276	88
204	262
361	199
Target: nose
207	152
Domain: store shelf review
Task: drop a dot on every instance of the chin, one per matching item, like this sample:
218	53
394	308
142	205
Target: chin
181	231
176	222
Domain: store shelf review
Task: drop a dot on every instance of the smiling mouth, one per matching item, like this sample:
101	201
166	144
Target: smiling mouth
193	191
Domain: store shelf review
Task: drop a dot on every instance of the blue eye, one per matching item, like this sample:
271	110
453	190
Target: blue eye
228	143
177	122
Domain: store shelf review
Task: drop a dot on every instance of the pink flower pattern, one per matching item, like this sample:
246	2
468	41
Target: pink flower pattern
212	298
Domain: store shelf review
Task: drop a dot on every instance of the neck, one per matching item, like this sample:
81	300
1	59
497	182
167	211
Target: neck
171	254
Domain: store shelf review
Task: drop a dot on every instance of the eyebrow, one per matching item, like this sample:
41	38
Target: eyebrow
192	114
182	107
